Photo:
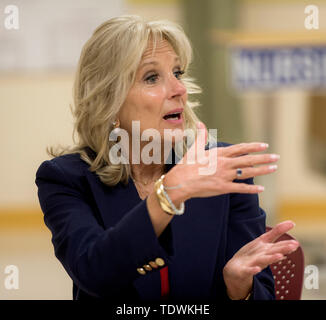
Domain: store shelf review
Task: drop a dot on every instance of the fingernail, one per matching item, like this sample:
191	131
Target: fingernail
273	167
264	145
261	188
275	156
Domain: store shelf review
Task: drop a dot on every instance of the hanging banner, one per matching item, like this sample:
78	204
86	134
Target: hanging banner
275	68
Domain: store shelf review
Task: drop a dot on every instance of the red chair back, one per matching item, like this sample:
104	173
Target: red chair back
288	274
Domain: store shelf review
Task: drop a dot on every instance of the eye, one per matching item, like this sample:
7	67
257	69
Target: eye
178	74
152	78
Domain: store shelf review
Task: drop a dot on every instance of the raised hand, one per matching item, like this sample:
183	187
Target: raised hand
222	164
254	257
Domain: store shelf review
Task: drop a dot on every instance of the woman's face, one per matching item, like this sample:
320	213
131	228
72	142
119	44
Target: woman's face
157	91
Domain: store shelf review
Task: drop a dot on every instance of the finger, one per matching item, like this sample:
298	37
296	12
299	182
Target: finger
277	231
199	142
284	247
243	148
235	187
252	172
265	260
251	160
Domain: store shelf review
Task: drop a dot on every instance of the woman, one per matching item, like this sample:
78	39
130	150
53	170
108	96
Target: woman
136	230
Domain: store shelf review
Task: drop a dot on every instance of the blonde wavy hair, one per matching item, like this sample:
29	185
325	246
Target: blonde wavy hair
105	73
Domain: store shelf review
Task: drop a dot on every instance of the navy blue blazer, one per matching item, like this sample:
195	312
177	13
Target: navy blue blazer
102	234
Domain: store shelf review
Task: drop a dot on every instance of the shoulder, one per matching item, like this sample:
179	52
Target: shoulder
69	167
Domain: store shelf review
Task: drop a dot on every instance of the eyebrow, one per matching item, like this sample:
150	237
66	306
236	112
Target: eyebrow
155	62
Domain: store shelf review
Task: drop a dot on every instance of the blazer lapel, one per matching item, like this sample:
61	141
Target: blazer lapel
111	202
114	203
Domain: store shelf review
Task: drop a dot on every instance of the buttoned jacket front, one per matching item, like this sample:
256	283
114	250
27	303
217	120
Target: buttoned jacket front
102	235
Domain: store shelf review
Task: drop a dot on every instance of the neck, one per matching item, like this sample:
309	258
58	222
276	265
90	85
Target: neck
145	173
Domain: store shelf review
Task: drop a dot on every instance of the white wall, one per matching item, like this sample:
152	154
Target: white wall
34	113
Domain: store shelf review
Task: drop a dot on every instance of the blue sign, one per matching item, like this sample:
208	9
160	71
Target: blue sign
274	68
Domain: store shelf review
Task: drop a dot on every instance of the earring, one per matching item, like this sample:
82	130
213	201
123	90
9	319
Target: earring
116	124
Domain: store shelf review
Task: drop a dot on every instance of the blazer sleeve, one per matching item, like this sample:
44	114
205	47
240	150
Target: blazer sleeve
101	262
247	222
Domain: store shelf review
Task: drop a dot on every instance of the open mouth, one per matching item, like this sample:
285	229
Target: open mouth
173	116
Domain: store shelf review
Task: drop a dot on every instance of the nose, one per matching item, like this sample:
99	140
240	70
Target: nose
176	87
